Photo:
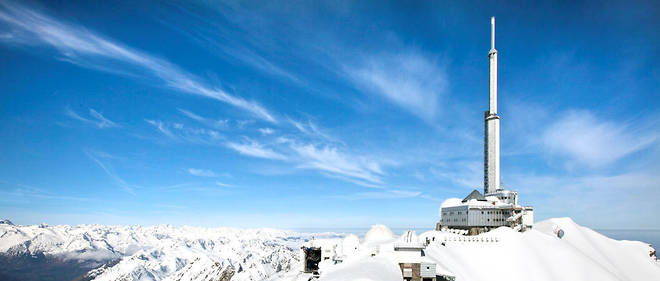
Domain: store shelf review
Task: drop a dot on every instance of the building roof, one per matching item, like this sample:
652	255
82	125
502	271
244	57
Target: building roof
474	195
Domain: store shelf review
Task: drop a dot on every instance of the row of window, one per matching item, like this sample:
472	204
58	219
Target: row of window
455	220
497	212
482	212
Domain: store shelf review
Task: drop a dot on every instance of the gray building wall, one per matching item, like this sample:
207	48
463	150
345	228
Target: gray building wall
466	216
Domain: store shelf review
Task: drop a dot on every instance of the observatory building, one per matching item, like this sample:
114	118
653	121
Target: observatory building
497	206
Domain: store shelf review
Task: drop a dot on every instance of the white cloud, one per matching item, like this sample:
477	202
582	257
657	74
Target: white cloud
206	121
329	159
593	142
218	183
181	132
23	191
202	172
255	149
83	47
161	127
99	158
468	174
312	130
409	80
97	119
192	115
385	194
266	131
615	197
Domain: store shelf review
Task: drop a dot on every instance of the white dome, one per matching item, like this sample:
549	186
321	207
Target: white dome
350	244
377	233
492	199
451	202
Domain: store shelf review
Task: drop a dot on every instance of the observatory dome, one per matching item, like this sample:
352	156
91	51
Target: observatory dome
350	244
451	202
377	233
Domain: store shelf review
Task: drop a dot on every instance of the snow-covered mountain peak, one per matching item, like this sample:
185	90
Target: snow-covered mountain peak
160	252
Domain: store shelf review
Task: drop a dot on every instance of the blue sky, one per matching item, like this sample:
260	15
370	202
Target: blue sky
324	114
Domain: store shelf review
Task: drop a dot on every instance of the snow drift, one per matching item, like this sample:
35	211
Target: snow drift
504	254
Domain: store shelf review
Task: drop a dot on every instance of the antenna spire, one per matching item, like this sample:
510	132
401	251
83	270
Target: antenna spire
492	124
492	32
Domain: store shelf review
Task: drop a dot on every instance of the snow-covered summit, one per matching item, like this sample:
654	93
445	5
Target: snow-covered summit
505	254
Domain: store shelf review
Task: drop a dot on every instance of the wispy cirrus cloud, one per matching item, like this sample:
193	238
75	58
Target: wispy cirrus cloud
383	194
86	48
28	192
616	197
207	121
161	127
255	149
331	160
233	38
182	132
219	183
585	139
410	80
192	115
202	173
312	130
96	119
467	174
101	158
266	131
327	159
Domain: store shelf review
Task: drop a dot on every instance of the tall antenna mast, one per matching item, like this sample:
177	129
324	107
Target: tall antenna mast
492	123
492	32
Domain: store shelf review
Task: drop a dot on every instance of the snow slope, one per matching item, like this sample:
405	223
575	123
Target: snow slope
582	254
503	254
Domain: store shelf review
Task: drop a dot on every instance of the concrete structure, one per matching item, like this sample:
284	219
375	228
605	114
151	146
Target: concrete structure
479	214
492	125
496	206
418	271
409	254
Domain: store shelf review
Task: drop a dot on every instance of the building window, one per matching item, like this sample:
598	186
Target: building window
482	212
